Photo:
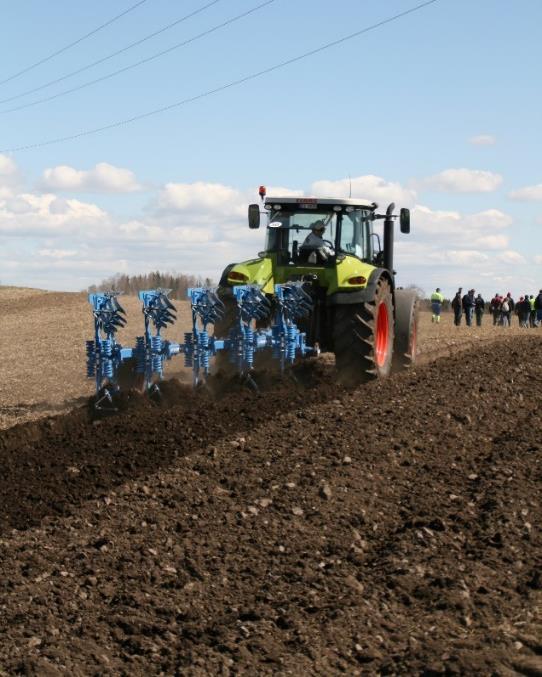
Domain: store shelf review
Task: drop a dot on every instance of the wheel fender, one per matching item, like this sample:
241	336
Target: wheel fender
366	294
224	277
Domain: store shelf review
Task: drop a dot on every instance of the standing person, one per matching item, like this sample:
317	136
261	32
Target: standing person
519	310
457	307
436	304
532	313
468	306
538	307
511	306
479	309
524	310
505	312
495	308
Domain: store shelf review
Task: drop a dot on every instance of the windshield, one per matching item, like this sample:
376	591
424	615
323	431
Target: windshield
355	234
346	232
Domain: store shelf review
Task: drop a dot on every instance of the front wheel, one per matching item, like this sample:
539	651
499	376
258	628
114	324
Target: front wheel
363	336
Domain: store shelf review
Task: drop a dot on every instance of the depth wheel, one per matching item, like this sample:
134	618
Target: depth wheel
363	337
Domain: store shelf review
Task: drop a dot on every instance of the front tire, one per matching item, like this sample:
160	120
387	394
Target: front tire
363	336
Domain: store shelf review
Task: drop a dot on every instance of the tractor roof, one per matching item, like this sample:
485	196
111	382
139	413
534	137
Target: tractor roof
291	202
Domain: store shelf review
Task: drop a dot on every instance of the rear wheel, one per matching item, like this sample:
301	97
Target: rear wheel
363	337
406	329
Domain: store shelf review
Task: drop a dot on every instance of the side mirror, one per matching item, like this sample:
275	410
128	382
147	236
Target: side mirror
404	220
254	216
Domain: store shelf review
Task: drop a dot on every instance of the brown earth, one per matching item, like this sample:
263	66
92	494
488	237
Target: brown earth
392	529
42	348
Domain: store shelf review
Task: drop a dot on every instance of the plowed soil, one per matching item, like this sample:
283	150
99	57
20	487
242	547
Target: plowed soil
392	529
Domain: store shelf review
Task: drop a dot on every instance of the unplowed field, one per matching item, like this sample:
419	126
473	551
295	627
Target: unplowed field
392	529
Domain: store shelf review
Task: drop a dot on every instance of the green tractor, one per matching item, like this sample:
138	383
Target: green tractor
329	246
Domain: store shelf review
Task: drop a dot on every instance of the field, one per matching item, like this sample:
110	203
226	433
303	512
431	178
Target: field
392	529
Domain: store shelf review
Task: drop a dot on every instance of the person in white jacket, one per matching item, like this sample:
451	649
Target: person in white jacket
316	243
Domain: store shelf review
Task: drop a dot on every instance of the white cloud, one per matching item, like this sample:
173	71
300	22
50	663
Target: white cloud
280	191
203	201
9	177
57	253
462	181
453	224
198	228
510	256
103	178
492	242
538	259
527	194
30	214
483	140
7	166
368	187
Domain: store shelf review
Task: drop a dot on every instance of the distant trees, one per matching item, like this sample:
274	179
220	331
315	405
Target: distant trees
131	284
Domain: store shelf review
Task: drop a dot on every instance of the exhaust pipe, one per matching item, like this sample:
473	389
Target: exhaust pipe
388	238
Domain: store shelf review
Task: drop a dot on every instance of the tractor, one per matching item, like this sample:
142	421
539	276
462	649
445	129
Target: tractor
357	312
304	294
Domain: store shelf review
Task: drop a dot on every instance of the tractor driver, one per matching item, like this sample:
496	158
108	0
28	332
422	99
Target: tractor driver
315	242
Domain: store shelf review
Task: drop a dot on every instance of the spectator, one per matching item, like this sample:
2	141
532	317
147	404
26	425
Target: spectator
532	313
457	307
538	307
436	304
468	302
479	309
495	308
519	308
506	312
524	311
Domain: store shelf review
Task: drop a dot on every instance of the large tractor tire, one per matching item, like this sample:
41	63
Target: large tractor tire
406	329
363	338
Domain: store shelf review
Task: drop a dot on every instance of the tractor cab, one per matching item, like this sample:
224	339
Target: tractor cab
316	231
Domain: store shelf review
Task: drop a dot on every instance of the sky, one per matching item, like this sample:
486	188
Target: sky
438	111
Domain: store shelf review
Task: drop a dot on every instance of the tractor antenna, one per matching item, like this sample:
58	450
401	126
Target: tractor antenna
350	181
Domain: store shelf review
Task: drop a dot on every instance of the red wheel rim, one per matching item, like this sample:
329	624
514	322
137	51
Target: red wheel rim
382	335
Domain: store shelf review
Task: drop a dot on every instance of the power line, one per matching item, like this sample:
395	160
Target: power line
138	63
110	56
229	85
72	44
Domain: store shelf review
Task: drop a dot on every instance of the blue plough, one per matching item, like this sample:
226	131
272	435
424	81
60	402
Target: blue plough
282	338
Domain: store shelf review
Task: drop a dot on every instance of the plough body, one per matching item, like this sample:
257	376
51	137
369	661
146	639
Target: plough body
281	338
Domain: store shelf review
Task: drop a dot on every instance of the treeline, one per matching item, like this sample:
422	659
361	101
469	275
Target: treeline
131	284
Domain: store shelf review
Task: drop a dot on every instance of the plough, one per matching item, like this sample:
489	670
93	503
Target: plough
282	338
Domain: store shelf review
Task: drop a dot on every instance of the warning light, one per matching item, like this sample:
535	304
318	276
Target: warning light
262	191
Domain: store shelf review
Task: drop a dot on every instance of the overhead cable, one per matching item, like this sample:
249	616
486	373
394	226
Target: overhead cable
113	54
229	85
72	44
141	61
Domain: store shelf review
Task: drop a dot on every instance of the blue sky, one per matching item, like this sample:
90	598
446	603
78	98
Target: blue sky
439	111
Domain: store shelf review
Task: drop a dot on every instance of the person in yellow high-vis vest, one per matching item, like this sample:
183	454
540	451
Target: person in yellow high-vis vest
436	304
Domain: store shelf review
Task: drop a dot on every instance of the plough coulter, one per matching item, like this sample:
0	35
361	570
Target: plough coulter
107	359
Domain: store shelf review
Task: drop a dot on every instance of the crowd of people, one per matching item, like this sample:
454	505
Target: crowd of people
502	308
